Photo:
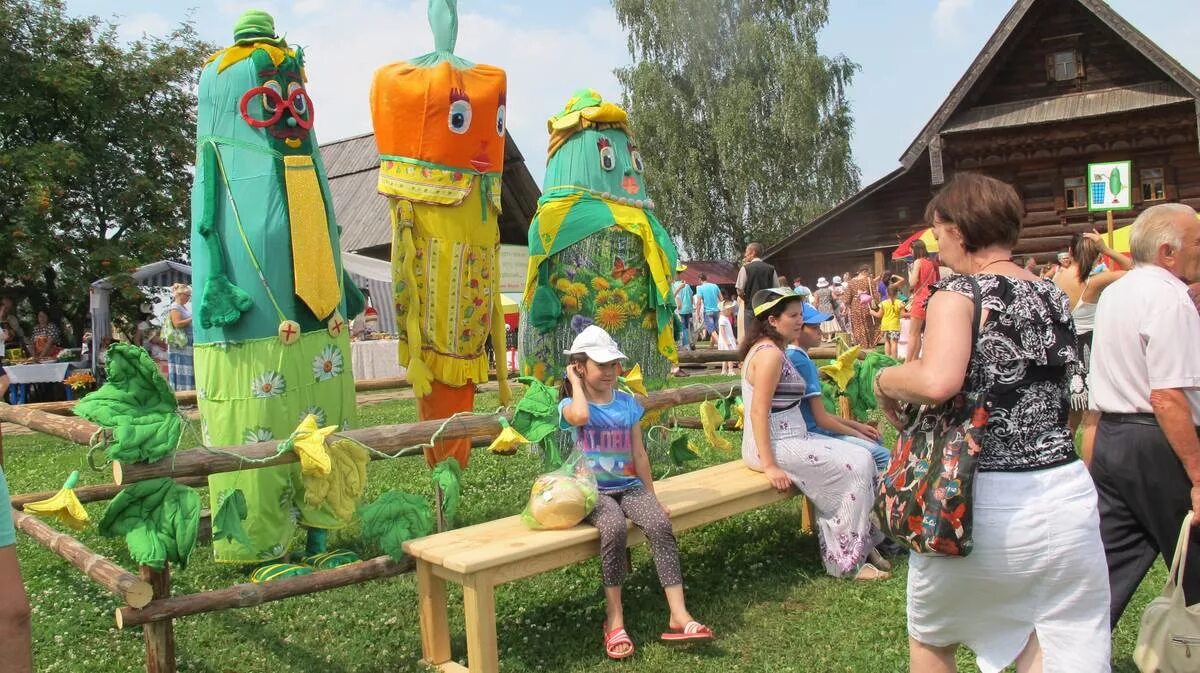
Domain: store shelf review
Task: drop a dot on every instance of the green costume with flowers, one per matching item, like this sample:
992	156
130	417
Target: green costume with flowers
272	345
597	253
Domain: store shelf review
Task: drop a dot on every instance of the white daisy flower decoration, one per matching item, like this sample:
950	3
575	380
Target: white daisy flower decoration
259	434
268	384
328	363
315	411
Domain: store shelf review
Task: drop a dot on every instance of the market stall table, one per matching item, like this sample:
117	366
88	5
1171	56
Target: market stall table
20	377
375	359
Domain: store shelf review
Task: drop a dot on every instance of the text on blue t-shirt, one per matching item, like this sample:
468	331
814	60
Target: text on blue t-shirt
607	440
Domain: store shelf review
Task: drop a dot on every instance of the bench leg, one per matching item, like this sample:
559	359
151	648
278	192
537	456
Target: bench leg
479	602
808	514
435	625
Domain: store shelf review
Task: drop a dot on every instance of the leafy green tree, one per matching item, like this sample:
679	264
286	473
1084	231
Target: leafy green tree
744	125
97	139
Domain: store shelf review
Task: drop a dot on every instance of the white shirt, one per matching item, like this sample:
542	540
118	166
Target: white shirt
1147	330
725	339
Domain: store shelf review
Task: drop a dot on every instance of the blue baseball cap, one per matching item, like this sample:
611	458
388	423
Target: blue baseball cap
812	316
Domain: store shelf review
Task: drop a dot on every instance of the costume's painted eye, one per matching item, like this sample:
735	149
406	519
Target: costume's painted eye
300	102
501	119
270	103
608	158
460	116
636	157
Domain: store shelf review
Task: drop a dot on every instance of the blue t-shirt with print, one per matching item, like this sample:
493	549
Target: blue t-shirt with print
812	382
683	301
711	295
607	440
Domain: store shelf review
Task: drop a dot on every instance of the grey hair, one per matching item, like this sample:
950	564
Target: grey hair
1154	228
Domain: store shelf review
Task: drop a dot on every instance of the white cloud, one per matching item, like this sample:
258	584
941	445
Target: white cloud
545	62
947	17
135	26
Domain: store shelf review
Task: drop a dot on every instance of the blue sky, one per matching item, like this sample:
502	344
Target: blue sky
911	52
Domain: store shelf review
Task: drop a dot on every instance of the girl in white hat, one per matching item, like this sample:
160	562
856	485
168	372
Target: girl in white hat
605	423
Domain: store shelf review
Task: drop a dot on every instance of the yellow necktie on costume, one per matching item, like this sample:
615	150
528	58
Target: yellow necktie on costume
313	267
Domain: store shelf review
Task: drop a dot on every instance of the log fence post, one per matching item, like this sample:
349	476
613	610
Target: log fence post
159	637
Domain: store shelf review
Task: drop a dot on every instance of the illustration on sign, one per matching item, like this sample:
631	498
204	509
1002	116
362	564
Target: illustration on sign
1109	186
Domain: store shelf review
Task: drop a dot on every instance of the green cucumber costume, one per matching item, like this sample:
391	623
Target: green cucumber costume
271	342
597	253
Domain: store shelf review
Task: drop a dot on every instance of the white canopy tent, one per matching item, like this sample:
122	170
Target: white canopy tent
376	276
163	273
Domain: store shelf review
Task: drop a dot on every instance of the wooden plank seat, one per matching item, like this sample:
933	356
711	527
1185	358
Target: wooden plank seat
483	556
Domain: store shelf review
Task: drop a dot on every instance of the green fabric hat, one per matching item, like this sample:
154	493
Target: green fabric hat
254	23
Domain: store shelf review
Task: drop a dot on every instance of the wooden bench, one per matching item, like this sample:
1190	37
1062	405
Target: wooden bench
486	555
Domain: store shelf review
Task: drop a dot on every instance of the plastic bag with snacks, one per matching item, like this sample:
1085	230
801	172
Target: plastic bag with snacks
562	498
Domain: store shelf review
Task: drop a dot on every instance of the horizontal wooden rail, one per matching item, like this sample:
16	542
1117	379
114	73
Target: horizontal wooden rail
132	589
248	595
391	440
96	493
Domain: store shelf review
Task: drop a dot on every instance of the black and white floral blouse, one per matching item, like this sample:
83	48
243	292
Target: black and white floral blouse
1027	359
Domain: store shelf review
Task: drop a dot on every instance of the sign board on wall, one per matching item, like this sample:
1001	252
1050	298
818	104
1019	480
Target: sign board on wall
514	263
1110	186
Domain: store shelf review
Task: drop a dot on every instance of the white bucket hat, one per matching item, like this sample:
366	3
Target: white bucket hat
821	282
595	343
837	280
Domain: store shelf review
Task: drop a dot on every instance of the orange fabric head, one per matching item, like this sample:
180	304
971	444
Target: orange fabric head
441	114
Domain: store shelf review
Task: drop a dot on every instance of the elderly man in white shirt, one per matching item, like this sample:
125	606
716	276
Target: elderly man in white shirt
1145	382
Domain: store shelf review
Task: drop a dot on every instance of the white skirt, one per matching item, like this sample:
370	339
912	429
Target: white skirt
1037	565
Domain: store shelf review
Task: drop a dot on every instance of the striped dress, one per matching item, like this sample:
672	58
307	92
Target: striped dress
180	371
837	476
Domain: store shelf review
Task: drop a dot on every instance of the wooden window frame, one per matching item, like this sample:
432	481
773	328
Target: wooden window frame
1162	183
1052	65
1080	191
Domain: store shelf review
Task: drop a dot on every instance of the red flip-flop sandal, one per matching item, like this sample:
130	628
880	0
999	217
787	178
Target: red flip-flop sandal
613	640
693	630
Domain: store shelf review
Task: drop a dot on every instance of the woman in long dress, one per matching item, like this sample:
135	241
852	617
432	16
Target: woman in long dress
836	476
861	292
180	371
823	298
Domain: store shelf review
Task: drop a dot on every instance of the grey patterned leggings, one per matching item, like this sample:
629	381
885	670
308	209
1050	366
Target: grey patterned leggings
644	511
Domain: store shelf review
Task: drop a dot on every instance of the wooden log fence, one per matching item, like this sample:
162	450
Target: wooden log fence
248	594
148	598
388	440
134	591
96	493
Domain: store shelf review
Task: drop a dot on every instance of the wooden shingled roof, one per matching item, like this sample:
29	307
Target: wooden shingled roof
1186	84
352	166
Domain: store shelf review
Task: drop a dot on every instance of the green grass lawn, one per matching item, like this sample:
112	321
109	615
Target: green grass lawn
753	578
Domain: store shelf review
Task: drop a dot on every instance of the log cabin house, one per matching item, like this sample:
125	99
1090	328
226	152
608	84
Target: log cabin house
1059	85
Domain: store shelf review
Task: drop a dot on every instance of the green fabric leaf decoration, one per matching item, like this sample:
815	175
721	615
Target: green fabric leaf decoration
861	389
159	519
448	475
536	414
681	452
829	395
227	521
393	518
136	403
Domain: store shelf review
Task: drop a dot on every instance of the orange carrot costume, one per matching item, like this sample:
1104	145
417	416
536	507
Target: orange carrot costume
439	126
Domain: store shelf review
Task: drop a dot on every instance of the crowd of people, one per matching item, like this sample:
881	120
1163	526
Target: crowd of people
1063	535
